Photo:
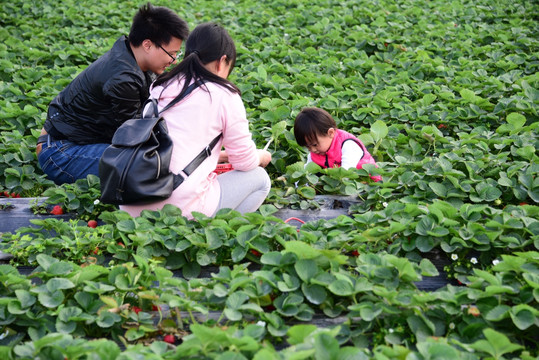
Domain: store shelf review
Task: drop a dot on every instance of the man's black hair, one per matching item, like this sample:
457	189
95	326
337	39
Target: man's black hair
158	24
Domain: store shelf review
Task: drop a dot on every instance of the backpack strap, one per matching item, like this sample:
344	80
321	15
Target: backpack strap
188	170
206	152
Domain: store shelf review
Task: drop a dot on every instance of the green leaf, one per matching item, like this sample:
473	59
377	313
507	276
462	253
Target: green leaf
425	243
379	130
126	225
370	312
65	327
437	350
134	334
301	249
271	258
351	353
106	319
498	313
516	120
25	298
327	347
52	299
306	269
235	300
59	284
267	209
238	253
428	268
191	270
45	261
341	288
490	193
298	333
262	73
315	294
439	189
69	313
496	344
418	326
523	316
214	237
307	192
424	225
233	314
527	152
290	283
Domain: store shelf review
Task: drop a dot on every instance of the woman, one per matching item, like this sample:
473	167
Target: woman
214	107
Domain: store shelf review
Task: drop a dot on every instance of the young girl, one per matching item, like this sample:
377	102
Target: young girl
211	109
328	146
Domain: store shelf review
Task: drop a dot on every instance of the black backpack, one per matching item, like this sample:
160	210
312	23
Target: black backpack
134	169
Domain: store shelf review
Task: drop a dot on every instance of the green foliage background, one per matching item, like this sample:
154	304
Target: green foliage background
407	63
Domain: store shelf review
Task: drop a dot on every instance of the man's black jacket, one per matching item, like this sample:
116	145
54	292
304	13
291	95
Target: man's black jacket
110	91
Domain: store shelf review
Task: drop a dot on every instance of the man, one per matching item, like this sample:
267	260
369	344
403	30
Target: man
83	117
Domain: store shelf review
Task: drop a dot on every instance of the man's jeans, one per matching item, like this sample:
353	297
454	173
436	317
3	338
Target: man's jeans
65	162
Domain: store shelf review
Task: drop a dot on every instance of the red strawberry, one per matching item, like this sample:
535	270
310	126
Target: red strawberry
255	253
355	253
155	308
523	204
13	195
136	309
6	194
92	224
442	126
96	250
57	210
121	244
169	339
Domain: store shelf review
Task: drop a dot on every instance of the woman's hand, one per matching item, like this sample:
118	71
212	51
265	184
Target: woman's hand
223	157
265	157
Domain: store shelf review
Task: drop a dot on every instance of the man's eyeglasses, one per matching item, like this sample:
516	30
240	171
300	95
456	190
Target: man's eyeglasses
174	58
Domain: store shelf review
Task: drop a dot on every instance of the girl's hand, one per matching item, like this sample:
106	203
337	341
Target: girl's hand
265	157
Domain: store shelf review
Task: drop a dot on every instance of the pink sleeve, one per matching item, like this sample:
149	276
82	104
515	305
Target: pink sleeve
237	140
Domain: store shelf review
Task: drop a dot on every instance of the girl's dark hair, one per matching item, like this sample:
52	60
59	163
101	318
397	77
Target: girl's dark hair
206	43
310	123
158	24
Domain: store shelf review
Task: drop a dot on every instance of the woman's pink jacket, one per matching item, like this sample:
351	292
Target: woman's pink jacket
192	124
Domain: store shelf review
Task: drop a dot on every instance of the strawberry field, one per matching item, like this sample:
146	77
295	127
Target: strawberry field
443	93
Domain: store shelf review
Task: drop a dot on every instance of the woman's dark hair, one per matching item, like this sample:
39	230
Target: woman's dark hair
158	24
206	43
310	123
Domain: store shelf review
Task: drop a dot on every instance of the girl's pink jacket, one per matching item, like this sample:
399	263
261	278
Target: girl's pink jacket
192	124
334	154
